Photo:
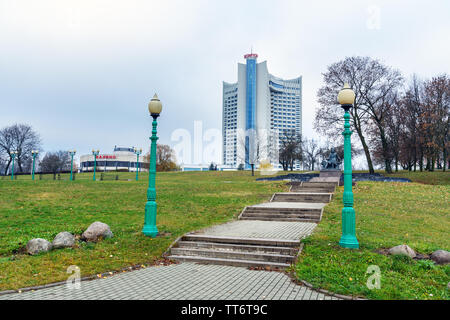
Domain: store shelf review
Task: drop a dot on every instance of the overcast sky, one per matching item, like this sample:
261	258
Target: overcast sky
82	72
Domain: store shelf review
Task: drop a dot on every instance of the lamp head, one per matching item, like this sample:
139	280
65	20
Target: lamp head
346	96
155	106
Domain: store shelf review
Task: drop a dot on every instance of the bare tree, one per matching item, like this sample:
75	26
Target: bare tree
311	151
256	147
290	149
437	120
54	162
21	138
411	137
375	87
165	158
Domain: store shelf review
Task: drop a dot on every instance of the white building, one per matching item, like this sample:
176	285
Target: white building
256	111
121	159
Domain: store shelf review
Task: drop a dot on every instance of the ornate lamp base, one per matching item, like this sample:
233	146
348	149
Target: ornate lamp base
349	241
348	238
150	231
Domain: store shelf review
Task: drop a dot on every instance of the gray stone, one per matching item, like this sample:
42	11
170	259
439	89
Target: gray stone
97	231
38	245
63	240
402	249
441	257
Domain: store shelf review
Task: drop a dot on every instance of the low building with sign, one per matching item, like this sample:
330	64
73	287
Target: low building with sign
121	159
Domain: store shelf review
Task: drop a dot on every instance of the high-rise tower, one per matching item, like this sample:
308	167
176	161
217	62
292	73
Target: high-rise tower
257	110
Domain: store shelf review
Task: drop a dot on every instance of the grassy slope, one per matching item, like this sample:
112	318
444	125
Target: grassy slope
186	202
387	214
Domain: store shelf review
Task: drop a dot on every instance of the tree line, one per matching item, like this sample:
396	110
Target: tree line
399	123
23	139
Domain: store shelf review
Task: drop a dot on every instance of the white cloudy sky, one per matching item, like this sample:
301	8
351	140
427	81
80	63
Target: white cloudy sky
82	72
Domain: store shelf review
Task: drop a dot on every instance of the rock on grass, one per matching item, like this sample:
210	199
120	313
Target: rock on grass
63	240
38	245
97	231
441	257
402	249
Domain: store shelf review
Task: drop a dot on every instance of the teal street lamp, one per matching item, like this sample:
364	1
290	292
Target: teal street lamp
34	153
95	153
346	98
150	229
13	155
72	153
137	152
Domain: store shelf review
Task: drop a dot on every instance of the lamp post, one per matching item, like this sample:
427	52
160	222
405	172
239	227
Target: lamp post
346	98
72	153
34	153
95	153
13	155
150	229
138	152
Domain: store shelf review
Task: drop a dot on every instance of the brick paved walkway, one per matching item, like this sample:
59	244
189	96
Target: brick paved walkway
180	282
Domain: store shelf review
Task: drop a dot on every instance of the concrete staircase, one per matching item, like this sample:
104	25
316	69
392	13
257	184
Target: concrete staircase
239	252
304	203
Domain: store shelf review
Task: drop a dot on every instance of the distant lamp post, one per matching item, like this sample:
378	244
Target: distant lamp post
72	153
34	153
346	98
95	153
137	152
150	229
13	155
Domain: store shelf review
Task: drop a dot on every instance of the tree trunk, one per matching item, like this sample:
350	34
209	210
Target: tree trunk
7	167
253	171
444	158
357	125
366	152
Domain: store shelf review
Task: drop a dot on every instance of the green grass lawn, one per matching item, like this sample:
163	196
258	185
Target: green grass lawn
387	214
186	201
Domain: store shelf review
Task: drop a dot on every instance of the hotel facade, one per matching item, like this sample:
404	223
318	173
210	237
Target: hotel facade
257	110
121	159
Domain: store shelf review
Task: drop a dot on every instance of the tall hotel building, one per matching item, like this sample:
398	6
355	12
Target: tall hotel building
256	111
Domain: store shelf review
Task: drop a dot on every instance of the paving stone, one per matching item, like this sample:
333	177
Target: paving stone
209	282
262	229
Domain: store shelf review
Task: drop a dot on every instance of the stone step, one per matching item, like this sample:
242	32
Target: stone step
301	189
301	197
259	218
231	262
236	247
282	211
242	241
319	184
233	255
281	215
